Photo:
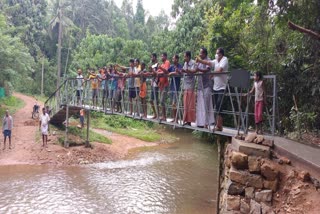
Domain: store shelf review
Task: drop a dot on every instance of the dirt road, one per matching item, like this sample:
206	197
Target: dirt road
27	144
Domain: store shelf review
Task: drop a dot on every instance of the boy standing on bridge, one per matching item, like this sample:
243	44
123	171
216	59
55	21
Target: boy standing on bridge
143	89
260	100
43	126
7	125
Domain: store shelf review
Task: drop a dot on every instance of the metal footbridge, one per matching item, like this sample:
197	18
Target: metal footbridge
237	109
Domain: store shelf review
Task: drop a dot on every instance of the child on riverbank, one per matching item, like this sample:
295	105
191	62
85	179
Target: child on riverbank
82	118
260	100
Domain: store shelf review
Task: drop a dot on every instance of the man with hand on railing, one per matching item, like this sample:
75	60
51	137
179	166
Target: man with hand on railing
120	88
163	83
189	68
102	77
175	70
132	85
80	82
94	86
204	113
220	64
154	94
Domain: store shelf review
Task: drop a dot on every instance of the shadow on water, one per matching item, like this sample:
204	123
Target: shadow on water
179	178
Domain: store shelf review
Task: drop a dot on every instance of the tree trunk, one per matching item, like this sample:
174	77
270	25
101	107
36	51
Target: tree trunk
42	73
59	46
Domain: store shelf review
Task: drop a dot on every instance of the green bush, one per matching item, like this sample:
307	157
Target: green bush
11	103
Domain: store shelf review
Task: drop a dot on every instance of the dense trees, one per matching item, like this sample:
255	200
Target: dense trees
255	35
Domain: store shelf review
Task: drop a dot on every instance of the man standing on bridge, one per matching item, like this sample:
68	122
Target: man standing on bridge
7	125
163	83
220	65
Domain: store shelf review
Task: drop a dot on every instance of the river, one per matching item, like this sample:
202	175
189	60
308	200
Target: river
180	178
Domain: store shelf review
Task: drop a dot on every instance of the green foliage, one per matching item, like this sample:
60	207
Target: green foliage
16	62
100	50
204	135
10	103
142	130
302	121
93	136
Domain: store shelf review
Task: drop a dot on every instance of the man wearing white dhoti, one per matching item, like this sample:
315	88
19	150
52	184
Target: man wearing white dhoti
205	116
43	127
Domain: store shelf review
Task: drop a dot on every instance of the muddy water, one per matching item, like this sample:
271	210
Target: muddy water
180	178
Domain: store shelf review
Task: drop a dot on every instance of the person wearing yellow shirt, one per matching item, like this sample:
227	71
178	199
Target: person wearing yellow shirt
93	77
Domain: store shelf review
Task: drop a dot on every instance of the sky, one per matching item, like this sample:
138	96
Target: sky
154	7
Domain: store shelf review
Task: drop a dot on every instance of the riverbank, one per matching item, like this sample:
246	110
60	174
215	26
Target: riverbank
27	144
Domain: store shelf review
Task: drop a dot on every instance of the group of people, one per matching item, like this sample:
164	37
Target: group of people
203	80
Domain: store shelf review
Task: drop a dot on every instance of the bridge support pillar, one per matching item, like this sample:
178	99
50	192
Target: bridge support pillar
87	144
66	143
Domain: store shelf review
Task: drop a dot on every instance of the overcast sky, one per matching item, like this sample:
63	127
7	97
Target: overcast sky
154	7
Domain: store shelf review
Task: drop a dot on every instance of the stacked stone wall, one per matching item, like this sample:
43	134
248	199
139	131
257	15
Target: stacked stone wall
250	178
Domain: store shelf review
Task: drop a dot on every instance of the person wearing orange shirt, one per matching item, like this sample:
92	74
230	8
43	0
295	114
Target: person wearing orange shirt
163	83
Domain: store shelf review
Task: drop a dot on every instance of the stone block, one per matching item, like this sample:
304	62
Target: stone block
255	207
250	137
239	160
284	160
304	176
268	142
265	209
269	172
244	207
259	139
263	196
245	178
235	188
249	192
233	202
254	164
273	185
250	149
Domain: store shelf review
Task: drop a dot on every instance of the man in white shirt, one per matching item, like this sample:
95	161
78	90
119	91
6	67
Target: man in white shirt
43	126
220	65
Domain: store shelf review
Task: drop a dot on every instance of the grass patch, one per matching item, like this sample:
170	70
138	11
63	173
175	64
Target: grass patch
93	136
11	103
143	130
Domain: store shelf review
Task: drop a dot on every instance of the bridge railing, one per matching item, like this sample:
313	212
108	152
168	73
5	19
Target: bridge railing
237	109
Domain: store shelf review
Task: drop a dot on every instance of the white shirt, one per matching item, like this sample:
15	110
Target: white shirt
220	80
79	82
258	91
44	119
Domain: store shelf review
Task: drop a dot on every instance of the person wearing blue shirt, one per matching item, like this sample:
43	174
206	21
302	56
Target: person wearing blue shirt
174	70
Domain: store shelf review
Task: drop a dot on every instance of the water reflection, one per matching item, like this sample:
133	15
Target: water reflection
163	180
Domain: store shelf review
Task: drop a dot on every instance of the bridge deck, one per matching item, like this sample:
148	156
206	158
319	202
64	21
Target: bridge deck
227	131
